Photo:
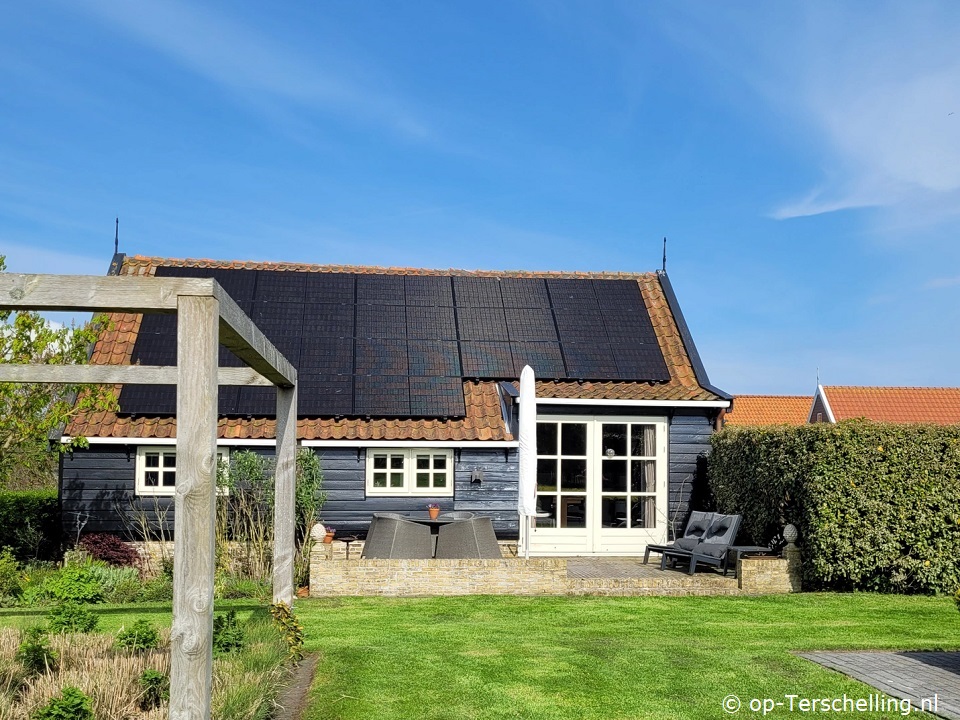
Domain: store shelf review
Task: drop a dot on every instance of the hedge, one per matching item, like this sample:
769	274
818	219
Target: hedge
877	505
30	523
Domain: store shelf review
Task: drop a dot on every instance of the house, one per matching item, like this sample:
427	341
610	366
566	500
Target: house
407	391
754	410
834	403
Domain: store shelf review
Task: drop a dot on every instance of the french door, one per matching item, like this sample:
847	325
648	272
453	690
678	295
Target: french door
601	485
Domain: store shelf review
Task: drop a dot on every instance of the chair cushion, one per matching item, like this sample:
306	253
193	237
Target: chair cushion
687	543
697	529
714	551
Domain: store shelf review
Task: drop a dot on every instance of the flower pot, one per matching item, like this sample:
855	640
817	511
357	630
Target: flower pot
328	538
434	512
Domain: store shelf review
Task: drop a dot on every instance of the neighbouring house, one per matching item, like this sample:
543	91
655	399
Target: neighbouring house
408	393
834	403
754	410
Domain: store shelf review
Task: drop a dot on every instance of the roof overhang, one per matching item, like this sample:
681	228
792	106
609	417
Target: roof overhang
637	403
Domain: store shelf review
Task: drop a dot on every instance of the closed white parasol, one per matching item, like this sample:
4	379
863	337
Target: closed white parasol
527	499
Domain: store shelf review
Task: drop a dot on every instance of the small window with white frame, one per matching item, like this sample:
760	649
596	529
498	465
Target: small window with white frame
417	471
157	469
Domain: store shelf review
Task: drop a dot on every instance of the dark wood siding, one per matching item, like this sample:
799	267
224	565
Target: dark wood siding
819	412
348	510
689	441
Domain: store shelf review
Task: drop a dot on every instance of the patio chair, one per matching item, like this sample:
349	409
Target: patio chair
712	549
697	525
457	515
390	538
473	538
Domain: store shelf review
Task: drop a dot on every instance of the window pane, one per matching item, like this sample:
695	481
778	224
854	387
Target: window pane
169	479
614	440
423	480
151	478
439	462
546	438
439	480
396	480
152	460
613	512
573	475
547	505
573	439
573	511
379	480
380	462
546	475
643	512
614	476
643	440
423	462
396	462
169	460
643	476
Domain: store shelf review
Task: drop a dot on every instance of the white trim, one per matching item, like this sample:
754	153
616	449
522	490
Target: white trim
409	472
826	405
637	403
230	442
142	489
411	443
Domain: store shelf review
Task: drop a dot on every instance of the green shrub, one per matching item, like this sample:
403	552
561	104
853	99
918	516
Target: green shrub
30	523
139	637
71	617
154	689
35	653
72	704
11	576
227	633
230	586
114	580
289	627
76	583
158	589
877	504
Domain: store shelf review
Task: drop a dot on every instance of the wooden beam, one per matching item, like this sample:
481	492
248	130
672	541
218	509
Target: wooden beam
120	374
97	294
241	335
191	639
284	506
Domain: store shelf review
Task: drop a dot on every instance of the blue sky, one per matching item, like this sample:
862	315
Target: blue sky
803	158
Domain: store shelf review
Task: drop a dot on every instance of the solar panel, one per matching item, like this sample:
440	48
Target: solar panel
485	323
640	362
326	355
382	395
151	400
579	324
280	286
618	294
531	324
381	321
323	287
439	358
381	356
571	293
323	395
591	361
380	290
545	358
432	290
431	323
524	293
486	360
328	320
436	396
257	401
477	292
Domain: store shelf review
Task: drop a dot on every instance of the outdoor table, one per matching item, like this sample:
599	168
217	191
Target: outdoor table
738	551
346	540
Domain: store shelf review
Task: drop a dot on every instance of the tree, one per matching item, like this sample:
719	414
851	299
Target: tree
29	412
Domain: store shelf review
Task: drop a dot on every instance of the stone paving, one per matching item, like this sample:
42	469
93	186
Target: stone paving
930	680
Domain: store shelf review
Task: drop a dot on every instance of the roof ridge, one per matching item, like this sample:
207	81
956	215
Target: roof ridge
890	387
806	397
155	261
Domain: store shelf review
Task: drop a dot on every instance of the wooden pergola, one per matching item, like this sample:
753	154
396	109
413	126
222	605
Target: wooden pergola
206	317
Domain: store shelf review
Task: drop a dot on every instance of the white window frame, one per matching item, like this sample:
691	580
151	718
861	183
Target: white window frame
223	455
409	472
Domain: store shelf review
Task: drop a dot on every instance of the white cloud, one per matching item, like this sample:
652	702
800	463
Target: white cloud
255	67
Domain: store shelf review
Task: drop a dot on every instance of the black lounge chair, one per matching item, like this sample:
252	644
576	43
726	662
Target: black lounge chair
390	538
472	538
712	549
697	526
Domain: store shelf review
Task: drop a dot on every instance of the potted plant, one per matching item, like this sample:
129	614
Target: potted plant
434	510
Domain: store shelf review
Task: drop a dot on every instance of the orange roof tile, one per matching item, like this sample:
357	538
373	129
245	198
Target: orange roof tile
895	404
483	420
769	410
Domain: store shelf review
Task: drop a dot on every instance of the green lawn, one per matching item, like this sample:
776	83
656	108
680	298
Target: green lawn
603	658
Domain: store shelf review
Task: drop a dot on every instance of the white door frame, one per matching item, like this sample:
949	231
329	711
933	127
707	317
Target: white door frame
593	539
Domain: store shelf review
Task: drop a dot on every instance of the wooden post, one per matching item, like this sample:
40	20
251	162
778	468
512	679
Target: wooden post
284	508
191	641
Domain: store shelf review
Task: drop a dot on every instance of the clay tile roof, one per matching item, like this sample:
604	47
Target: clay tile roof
895	404
769	410
483	420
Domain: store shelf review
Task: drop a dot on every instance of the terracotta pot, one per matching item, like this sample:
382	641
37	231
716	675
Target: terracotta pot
433	513
328	538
